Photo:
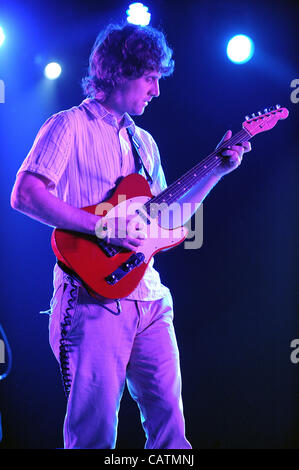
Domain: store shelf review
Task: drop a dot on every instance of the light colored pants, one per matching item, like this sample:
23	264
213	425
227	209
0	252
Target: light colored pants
99	350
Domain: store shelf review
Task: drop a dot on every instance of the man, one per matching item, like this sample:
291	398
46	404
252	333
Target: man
77	159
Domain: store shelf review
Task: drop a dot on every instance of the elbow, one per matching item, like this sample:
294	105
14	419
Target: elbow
18	201
14	200
27	192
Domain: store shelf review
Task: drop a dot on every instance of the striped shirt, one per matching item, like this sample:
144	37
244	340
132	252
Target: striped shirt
84	152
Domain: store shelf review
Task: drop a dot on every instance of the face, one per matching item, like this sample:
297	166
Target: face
135	95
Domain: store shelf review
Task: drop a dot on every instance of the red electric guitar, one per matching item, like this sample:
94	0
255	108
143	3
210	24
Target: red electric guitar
113	272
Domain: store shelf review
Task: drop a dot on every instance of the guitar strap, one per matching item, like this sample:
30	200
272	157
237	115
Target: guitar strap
137	157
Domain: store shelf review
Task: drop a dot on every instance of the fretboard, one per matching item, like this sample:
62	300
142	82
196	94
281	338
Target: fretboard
186	182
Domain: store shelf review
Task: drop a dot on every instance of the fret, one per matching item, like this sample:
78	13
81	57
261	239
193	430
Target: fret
180	187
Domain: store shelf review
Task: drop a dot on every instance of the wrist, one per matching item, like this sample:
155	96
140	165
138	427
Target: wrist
101	229
215	176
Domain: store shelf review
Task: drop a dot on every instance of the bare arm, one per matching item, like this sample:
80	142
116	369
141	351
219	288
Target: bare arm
31	197
234	157
197	194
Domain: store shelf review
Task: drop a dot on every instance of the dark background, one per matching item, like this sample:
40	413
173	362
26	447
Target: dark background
235	303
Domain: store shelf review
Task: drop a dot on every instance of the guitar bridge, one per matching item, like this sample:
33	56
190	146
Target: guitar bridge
135	260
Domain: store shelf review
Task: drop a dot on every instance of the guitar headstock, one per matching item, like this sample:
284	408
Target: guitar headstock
264	121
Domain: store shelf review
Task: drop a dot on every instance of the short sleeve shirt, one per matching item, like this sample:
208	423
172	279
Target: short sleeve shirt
84	152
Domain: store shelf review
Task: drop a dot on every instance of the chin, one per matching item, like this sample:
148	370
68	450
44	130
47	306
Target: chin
137	112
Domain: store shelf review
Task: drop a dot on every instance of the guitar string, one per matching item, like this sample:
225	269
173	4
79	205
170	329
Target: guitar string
201	169
234	139
204	167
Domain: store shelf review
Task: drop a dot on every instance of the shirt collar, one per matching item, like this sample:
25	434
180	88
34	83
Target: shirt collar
102	113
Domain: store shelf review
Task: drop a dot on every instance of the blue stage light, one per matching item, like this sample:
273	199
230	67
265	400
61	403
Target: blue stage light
52	70
2	36
138	14
240	49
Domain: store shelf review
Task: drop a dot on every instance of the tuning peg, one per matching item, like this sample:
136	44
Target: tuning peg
266	110
253	115
247	118
277	106
259	113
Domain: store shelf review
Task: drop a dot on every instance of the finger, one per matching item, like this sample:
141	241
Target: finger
128	243
234	158
236	147
136	238
246	146
135	243
141	235
226	137
229	153
234	162
134	232
140	225
239	149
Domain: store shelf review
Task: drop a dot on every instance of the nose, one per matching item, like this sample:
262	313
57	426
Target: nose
155	88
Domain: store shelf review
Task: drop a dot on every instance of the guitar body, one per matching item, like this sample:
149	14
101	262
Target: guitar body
84	255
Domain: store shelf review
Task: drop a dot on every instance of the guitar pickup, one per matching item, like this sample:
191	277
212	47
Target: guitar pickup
143	216
108	249
135	260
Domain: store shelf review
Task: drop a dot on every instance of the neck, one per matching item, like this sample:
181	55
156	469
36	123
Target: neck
113	107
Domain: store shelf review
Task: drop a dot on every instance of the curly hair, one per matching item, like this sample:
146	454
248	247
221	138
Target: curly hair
125	52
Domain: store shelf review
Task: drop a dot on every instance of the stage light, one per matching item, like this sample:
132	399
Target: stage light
138	14
52	71
2	36
240	49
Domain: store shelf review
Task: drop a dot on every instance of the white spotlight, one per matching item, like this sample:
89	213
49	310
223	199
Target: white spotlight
240	49
52	71
2	36
138	14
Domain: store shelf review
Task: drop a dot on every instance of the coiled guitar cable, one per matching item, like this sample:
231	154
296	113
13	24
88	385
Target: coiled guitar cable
64	347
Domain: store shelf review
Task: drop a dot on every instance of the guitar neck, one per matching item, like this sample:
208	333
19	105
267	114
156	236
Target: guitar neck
186	182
